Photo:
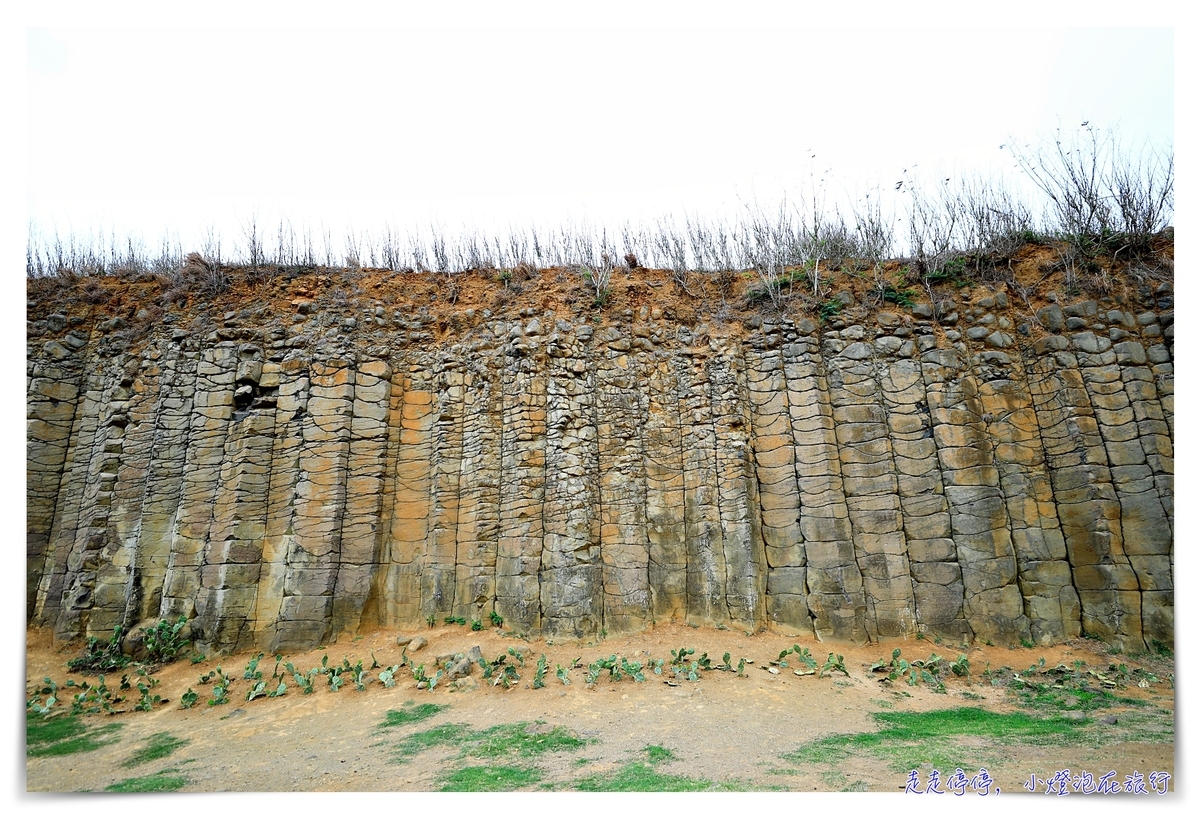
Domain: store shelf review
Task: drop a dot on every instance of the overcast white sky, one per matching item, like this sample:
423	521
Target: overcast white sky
179	128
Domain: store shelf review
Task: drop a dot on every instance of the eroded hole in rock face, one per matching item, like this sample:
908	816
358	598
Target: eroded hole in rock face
243	395
265	398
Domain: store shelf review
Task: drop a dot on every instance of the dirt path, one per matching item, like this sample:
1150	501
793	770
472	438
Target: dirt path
724	730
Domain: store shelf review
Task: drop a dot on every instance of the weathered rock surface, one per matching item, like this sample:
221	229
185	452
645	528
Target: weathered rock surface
281	488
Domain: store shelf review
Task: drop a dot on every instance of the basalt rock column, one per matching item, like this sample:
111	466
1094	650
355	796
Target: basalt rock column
479	481
937	580
703	535
314	553
213	402
872	491
362	535
835	585
53	398
570	574
411	501
666	571
522	483
1087	507
621	409
778	495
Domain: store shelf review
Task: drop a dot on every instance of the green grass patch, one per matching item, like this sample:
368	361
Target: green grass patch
159	745
838	781
638	777
490	779
445	734
1048	698
913	739
522	739
65	735
642	777
411	715
902	758
161	782
657	755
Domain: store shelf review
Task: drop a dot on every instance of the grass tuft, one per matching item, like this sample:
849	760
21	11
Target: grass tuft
427	739
411	715
657	755
159	745
522	739
65	735
160	782
638	777
490	779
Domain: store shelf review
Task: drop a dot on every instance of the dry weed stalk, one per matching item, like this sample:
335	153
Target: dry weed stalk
1099	200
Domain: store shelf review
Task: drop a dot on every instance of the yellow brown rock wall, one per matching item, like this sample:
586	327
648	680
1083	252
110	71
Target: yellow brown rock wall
950	469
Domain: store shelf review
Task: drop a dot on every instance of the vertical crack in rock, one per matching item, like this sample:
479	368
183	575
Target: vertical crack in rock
1070	606
1018	454
745	560
937	582
1143	479
896	374
68	513
92	534
55	602
1044	574
937	585
377	607
1158	615
1109	371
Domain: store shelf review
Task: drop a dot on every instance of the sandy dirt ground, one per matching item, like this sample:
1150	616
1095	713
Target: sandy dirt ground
730	730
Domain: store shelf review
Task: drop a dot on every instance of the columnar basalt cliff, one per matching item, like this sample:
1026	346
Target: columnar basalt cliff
299	465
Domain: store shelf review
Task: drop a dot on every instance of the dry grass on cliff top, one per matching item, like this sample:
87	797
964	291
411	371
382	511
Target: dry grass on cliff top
455	302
